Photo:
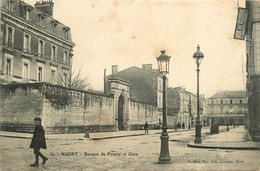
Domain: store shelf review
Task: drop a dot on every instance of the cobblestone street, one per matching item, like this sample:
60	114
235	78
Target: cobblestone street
139	152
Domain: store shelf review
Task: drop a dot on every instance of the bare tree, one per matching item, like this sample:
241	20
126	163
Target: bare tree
74	80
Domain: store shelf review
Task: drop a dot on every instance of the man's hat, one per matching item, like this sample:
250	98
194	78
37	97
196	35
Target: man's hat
37	119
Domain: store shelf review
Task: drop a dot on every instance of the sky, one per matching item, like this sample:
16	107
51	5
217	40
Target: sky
133	32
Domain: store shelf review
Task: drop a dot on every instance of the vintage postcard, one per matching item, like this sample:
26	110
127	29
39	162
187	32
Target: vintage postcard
129	85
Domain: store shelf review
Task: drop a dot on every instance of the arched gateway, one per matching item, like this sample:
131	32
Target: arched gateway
120	90
121	103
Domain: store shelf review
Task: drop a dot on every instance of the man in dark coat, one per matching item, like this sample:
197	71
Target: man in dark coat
146	127
38	142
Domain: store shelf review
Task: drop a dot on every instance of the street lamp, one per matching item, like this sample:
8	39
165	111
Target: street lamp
198	56
227	122
163	64
231	111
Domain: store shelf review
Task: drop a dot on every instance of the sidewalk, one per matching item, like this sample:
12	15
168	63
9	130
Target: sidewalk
92	136
234	139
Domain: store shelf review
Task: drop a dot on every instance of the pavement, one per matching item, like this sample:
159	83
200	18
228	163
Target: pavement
92	136
234	139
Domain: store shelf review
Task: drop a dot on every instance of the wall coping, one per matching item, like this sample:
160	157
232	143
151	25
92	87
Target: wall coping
42	84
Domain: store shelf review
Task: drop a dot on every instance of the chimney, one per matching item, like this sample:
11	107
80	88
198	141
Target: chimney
114	69
45	6
147	66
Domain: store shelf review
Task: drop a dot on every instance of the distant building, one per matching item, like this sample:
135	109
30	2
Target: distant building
178	104
228	106
34	46
146	86
183	105
146	83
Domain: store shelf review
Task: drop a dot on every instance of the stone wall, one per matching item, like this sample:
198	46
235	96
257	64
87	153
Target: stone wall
141	113
61	109
19	105
65	110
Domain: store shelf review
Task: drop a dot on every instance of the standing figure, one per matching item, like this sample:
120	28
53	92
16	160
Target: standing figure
38	142
179	125
183	125
146	127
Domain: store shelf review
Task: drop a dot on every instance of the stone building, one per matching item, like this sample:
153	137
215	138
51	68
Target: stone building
178	101
204	111
146	83
35	46
183	105
228	107
145	86
253	67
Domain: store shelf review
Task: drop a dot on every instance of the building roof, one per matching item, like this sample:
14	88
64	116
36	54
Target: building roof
142	88
18	13
229	94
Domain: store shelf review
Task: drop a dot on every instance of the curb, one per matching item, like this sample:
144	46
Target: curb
120	136
10	136
83	138
222	147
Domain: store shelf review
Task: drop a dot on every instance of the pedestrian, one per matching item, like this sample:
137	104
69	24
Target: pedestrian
38	142
189	125
183	125
179	125
146	127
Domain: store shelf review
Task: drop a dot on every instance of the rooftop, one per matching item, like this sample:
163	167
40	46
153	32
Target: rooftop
229	94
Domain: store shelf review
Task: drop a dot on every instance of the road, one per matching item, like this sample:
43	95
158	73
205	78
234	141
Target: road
132	153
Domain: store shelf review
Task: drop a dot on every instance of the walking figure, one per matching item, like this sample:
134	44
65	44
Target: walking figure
146	127
38	142
183	125
179	125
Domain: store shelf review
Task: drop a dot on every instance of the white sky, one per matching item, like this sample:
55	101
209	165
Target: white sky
132	32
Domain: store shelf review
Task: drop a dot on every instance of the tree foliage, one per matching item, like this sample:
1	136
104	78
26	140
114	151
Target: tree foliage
74	80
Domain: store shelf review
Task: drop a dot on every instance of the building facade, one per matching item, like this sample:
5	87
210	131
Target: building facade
146	83
178	101
146	86
35	46
253	68
183	105
228	107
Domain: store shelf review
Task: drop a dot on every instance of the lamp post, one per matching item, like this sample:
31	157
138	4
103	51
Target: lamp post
227	122
231	111
198	56
189	106
163	64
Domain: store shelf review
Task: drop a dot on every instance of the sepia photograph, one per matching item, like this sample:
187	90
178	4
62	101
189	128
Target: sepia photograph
130	85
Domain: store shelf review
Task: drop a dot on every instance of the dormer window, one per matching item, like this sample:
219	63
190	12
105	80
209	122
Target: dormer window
54	26
11	6
66	35
41	19
27	11
66	32
27	14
